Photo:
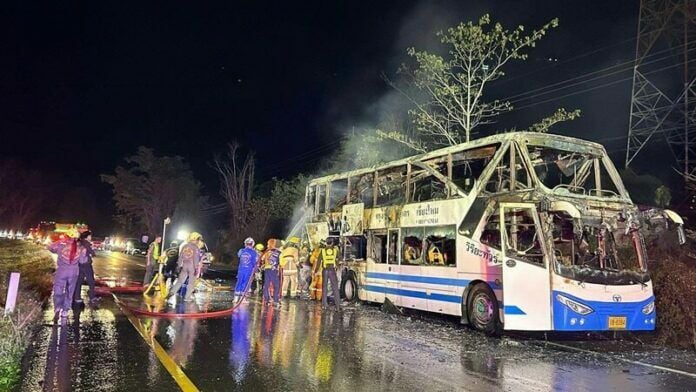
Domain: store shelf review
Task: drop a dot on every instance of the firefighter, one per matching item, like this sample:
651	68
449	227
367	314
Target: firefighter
86	270
328	259
189	257
70	252
247	263
153	254
271	278
316	284
289	259
171	256
305	271
258	276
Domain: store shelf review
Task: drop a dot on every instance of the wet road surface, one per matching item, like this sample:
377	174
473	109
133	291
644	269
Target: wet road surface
299	346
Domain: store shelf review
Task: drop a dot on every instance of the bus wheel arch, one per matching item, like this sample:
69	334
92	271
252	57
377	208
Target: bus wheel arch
480	308
349	286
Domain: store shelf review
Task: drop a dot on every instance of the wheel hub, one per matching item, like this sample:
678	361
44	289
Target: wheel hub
483	309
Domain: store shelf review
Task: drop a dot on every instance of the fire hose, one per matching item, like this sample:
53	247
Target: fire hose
198	315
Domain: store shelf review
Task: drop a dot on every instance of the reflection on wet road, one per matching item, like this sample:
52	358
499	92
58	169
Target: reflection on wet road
299	346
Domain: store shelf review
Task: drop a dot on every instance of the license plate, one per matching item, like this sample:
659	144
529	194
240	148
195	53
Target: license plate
617	322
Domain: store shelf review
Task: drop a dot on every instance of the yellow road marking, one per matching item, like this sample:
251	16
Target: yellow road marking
174	370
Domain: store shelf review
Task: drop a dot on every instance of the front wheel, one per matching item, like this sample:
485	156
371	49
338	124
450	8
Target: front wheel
349	288
482	310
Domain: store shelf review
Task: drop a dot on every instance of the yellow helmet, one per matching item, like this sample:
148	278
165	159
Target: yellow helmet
259	247
72	233
195	236
293	240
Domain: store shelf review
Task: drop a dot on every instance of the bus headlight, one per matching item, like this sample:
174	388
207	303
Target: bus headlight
574	306
649	308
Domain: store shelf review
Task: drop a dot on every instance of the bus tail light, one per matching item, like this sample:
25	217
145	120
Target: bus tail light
574	306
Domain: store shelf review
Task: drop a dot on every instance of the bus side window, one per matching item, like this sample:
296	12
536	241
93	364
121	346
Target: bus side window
321	198
391	185
412	248
362	189
378	248
311	197
439	246
338	194
467	166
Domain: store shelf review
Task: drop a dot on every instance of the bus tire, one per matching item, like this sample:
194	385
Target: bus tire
349	287
482	310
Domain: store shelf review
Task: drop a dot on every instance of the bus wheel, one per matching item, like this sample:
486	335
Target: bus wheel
349	288
482	309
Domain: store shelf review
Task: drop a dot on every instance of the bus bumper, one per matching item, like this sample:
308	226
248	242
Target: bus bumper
604	316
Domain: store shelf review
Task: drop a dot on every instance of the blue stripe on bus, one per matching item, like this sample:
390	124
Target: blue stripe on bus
513	310
414	294
425	279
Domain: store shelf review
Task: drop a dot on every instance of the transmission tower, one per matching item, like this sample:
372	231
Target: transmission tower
663	102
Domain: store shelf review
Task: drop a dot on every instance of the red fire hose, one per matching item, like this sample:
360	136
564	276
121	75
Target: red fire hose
199	315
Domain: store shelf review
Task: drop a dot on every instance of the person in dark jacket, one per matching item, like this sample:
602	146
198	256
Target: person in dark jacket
86	269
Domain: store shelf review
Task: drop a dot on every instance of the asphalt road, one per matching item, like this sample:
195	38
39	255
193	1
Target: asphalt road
300	347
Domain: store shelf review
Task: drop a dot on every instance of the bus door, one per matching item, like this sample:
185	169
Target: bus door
393	285
526	275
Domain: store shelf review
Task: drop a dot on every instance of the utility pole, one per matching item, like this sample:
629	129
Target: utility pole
662	102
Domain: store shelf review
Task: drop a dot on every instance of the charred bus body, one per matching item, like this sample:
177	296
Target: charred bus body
521	231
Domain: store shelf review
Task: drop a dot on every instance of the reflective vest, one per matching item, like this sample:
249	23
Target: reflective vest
328	257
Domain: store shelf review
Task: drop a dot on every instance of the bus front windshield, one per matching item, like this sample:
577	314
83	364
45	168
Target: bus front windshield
570	172
598	253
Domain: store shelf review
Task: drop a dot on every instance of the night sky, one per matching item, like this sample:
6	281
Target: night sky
82	86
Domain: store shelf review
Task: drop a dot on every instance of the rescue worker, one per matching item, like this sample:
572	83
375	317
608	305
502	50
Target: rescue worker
153	254
328	259
206	257
171	256
258	276
271	278
316	284
189	257
70	251
247	264
289	258
86	270
305	271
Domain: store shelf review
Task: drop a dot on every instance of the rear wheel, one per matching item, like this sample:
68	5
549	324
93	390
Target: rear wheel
482	310
349	288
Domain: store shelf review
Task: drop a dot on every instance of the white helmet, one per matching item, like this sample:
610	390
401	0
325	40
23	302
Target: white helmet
249	241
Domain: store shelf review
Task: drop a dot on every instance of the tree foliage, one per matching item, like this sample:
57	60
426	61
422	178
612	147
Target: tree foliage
150	188
546	123
448	92
22	194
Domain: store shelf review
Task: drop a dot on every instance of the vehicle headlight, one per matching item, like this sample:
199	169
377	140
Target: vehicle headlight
574	306
649	308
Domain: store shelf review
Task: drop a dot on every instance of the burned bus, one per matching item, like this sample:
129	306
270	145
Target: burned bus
517	231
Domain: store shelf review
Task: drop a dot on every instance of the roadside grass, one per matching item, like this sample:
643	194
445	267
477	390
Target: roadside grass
673	272
35	266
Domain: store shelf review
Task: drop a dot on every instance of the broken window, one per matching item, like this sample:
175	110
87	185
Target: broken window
311	197
429	246
361	189
522	239
378	247
490	235
338	194
412	247
426	186
391	186
321	198
393	251
467	166
596	253
510	169
571	172
354	247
